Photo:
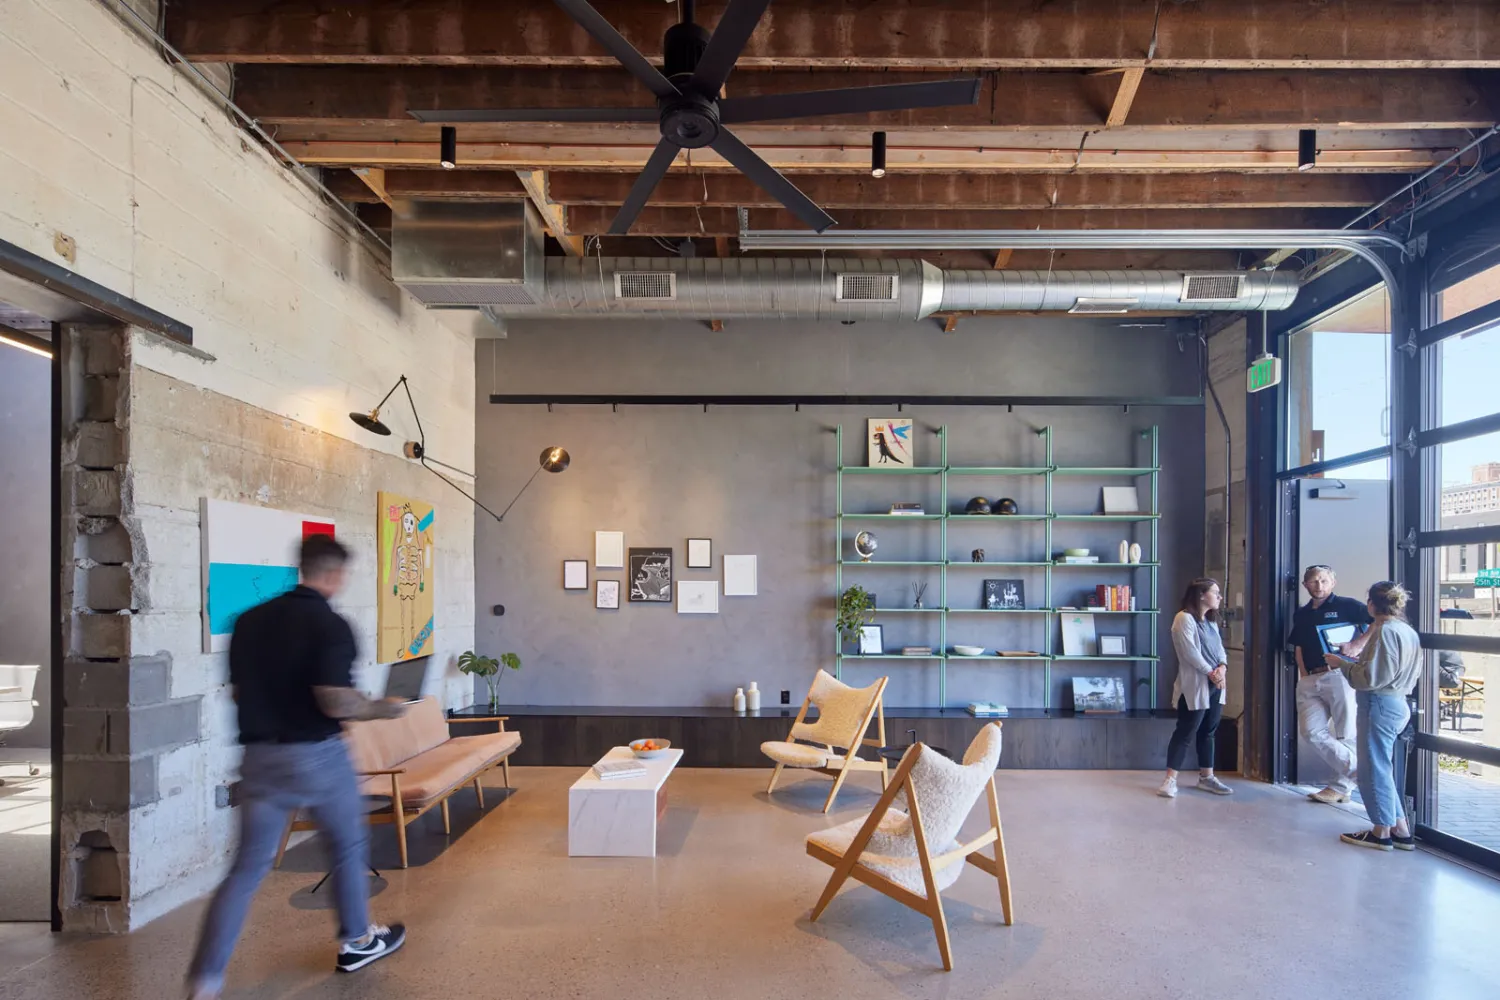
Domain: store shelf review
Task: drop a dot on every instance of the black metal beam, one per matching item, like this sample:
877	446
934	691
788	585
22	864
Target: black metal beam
22	337
40	271
1459	748
1472	321
1462	849
1459	536
1266	727
1489	644
886	399
1460	431
1332	464
56	630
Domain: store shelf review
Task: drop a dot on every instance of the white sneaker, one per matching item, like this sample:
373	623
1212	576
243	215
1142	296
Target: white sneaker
1214	786
1168	789
1330	795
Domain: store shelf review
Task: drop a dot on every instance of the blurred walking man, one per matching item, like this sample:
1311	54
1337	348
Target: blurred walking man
290	667
1325	701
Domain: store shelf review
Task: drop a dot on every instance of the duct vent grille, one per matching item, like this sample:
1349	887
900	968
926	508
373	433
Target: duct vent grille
1110	307
1212	287
658	286
470	293
867	288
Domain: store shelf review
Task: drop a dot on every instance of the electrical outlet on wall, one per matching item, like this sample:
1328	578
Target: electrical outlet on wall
786	697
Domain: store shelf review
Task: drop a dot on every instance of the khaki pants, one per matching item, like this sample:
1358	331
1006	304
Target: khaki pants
1325	715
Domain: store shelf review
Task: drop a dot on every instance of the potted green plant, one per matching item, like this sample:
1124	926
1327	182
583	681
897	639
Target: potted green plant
489	668
856	609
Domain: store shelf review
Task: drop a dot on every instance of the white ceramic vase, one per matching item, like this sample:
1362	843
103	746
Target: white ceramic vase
1135	552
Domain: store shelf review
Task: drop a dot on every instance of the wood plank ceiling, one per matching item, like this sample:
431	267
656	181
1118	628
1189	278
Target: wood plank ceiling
1092	113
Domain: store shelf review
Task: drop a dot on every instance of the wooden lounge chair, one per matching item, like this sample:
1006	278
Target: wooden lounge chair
830	744
912	856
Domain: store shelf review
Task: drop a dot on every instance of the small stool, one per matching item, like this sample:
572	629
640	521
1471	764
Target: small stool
894	754
372	804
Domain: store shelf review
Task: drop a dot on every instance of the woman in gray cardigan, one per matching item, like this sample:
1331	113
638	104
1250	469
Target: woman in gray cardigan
1382	677
1198	691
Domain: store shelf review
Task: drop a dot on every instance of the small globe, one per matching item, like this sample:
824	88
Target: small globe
1005	505
979	505
865	544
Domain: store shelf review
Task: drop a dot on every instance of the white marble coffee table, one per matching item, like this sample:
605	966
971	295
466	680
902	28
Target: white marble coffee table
618	818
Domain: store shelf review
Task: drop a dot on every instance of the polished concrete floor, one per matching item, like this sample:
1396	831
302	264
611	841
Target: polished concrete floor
25	837
1119	894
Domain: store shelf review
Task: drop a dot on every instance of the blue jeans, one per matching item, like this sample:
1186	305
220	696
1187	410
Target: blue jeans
277	779
1378	720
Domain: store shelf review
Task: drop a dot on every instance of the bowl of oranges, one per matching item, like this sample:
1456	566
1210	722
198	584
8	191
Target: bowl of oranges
647	749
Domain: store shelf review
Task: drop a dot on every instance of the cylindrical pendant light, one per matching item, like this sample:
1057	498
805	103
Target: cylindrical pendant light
877	155
1307	149
450	147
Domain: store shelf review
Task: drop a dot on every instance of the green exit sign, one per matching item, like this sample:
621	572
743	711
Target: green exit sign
1265	371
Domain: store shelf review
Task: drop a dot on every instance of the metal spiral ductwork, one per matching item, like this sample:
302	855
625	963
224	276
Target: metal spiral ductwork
451	255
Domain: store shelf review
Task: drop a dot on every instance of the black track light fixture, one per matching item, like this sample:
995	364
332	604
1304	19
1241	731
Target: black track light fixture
449	157
1307	149
877	155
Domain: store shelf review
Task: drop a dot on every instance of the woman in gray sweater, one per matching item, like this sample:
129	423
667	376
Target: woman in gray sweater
1198	691
1382	677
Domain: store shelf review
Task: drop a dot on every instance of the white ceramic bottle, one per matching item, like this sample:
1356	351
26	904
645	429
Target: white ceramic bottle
1135	552
1124	551
752	698
739	699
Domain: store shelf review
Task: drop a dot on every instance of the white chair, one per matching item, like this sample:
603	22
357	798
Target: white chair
17	709
844	716
912	856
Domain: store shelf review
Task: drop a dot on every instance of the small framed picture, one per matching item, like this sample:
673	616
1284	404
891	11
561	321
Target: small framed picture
575	574
1004	595
607	594
1112	645
872	640
700	553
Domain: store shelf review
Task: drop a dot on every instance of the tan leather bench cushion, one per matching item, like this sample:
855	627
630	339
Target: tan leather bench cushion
434	771
381	744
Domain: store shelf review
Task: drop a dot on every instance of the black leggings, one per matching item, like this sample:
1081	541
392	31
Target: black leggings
1205	722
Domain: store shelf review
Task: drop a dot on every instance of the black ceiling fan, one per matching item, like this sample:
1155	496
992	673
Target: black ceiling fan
692	115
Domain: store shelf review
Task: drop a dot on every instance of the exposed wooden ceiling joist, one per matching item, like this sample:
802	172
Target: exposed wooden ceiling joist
283	95
987	191
478	185
590	219
909	34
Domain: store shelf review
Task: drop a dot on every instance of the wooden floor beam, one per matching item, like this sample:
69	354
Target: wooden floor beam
905	34
535	183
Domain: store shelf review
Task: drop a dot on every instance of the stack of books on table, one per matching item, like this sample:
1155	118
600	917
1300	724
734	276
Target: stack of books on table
907	509
615	770
987	709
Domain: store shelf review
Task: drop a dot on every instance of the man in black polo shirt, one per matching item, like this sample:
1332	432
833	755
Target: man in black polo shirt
1325	701
290	668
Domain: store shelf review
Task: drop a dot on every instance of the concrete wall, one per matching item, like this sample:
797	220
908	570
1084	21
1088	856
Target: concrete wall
296	323
760	480
26	531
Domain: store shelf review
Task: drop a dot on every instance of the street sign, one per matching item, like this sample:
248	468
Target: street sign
1265	371
1487	578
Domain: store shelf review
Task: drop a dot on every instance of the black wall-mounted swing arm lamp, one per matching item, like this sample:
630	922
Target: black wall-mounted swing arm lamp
554	459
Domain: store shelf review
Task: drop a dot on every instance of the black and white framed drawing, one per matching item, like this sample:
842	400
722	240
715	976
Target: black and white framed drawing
607	594
700	554
871	640
575	574
651	576
1004	595
698	597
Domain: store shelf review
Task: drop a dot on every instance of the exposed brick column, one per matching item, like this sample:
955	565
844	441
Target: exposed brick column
118	713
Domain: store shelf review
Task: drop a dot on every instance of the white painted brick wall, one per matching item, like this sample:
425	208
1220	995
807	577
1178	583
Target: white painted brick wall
170	204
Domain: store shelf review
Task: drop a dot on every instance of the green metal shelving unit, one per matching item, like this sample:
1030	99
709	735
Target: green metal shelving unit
1050	614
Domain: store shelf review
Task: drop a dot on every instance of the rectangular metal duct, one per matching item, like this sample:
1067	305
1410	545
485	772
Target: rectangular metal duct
467	253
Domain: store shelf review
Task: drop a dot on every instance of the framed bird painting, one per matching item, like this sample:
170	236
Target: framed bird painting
890	444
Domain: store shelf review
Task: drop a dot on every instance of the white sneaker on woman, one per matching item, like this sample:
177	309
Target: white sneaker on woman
1214	786
1168	789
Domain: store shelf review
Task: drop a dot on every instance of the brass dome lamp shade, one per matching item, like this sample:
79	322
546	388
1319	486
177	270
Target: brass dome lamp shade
553	458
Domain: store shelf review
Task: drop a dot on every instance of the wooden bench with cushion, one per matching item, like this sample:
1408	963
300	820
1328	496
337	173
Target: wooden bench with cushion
413	761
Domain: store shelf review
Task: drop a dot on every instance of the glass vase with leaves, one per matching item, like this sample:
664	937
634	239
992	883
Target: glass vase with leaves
488	667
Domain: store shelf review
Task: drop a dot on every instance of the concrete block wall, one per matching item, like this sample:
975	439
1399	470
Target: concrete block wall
296	323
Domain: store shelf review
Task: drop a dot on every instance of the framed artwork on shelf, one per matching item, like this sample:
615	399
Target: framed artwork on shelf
651	576
698	597
889	444
607	594
1121	500
1079	637
1098	694
609	550
741	577
1004	595
872	640
575	574
700	553
1112	645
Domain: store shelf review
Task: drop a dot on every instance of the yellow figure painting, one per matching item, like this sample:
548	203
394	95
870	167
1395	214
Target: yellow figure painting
405	540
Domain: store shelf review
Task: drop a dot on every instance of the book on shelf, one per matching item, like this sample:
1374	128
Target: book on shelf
916	650
907	509
987	709
1077	560
1113	598
615	770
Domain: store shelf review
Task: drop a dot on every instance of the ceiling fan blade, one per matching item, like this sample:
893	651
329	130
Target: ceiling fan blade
849	100
651	175
605	34
727	42
457	117
766	177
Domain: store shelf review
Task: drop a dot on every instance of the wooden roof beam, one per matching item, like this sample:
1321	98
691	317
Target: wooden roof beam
438	184
535	183
904	34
